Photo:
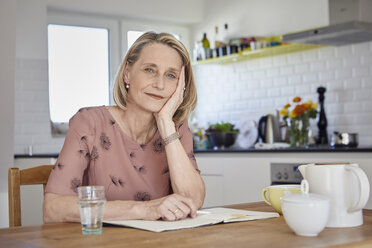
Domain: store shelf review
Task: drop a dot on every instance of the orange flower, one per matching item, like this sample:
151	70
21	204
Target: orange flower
287	105
307	106
297	99
299	110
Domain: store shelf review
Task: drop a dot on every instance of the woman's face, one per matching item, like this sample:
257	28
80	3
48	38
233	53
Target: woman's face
153	77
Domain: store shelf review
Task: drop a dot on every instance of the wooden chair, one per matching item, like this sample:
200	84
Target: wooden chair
16	178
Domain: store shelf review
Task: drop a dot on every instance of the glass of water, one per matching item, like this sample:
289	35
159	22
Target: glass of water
91	201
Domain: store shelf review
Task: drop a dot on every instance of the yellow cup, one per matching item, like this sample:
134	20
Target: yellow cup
272	194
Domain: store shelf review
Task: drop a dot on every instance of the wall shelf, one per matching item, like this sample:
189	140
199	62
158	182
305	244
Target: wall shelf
259	53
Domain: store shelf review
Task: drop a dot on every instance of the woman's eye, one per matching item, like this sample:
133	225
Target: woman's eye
148	70
171	75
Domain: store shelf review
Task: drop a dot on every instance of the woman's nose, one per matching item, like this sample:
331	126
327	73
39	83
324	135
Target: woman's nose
159	82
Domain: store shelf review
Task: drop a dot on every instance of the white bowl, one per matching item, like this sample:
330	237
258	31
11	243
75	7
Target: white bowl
306	214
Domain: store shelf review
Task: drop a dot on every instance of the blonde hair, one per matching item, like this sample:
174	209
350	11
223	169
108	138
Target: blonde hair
133	54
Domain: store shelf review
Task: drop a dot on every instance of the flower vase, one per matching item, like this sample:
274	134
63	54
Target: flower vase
298	132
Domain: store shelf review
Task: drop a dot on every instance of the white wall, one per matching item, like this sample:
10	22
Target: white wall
261	18
257	87
7	74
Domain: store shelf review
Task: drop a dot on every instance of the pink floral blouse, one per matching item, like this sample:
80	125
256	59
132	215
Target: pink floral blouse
97	152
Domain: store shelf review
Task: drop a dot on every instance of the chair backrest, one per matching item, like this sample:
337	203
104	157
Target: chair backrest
16	178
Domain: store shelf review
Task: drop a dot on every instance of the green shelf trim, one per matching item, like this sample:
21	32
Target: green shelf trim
259	53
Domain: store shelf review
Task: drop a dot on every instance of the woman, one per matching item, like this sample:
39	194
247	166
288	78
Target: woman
141	149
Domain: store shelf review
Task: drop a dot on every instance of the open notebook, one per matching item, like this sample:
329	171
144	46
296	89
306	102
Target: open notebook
209	216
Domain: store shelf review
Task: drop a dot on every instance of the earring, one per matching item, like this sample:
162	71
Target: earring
127	86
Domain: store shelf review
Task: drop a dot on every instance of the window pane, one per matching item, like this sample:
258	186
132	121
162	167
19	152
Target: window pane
133	36
78	60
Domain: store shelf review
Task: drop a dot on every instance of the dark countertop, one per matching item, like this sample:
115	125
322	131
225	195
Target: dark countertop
290	150
239	150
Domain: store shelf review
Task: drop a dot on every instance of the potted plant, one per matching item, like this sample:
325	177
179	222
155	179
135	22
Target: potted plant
221	135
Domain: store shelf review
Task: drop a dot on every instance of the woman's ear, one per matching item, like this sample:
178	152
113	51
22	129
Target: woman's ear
126	73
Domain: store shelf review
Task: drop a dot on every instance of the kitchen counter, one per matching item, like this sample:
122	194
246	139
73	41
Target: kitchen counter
290	149
242	150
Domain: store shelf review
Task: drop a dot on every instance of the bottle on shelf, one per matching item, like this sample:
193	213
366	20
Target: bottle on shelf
225	35
206	46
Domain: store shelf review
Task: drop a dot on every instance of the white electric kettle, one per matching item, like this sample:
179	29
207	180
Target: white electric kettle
345	184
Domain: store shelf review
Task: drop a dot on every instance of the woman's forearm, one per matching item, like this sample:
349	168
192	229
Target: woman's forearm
185	179
61	208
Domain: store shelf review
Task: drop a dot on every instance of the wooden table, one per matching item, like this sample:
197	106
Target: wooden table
259	233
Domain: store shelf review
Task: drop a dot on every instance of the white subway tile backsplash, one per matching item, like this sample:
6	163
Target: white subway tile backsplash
366	59
302	68
294	58
334	64
280	81
344	52
364	118
301	90
279	60
295	79
362	71
273	72
353	107
363	95
345	96
286	70
360	48
326	53
309	56
259	74
326	75
274	92
352	61
260	93
353	83
287	91
317	66
266	83
310	78
343	73
335	85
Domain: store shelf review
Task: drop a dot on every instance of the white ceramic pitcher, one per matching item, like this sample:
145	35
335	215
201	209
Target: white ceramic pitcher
345	184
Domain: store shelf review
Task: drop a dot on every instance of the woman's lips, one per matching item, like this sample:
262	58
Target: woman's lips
157	97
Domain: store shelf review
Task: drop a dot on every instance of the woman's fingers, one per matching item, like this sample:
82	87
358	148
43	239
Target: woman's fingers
177	207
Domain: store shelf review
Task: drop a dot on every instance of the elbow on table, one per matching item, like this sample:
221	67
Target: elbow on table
48	209
58	208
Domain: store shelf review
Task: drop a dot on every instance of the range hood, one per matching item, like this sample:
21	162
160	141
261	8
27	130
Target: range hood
334	35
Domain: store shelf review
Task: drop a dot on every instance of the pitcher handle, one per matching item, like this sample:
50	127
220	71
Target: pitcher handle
264	196
363	185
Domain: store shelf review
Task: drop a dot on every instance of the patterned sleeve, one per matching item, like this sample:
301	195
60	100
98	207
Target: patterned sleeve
188	143
69	171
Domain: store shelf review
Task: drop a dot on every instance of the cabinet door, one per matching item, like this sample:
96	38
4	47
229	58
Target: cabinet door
211	172
213	190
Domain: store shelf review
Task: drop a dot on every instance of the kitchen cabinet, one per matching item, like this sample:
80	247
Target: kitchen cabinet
238	177
259	53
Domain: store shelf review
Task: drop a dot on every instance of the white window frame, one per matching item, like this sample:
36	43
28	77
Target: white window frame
112	25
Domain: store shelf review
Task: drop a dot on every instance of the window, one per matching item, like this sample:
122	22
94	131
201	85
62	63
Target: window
79	75
133	36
